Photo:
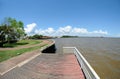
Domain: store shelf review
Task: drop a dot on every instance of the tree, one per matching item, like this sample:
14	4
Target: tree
11	31
5	34
36	36
18	27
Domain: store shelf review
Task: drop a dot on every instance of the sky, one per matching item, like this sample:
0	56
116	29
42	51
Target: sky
65	17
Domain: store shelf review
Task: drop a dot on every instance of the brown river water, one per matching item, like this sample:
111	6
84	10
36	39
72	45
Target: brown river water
103	54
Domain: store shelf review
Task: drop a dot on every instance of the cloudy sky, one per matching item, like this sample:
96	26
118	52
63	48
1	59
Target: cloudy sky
65	17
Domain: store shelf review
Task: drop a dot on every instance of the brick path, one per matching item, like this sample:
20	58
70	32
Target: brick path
48	66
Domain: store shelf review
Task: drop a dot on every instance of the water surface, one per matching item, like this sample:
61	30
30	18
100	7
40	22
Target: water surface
102	53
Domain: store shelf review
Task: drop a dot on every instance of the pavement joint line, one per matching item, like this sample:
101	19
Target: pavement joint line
20	64
26	61
8	70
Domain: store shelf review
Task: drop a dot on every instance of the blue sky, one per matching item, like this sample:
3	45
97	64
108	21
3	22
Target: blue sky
65	17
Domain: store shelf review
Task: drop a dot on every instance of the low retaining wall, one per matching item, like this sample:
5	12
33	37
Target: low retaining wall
49	49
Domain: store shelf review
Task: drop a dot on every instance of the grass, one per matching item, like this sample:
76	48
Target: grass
7	54
22	42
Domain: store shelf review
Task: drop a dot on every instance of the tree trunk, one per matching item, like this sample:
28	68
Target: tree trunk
1	44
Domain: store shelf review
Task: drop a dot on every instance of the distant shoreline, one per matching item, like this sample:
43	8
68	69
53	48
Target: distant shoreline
87	37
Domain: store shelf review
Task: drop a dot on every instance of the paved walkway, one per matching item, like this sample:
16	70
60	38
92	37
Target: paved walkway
36	65
48	66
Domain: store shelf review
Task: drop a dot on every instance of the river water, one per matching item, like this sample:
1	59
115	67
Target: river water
103	54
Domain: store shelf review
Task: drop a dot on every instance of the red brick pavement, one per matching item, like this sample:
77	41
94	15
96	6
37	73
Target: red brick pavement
64	67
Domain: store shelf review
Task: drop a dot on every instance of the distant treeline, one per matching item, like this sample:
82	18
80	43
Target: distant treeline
36	36
67	36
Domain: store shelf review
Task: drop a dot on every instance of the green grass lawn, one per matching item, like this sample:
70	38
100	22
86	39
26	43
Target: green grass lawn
22	42
7	54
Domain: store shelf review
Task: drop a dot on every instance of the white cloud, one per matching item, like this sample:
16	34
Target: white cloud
67	30
100	32
30	27
48	31
80	30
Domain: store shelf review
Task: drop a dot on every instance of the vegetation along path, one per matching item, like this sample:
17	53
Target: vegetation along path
27	46
7	53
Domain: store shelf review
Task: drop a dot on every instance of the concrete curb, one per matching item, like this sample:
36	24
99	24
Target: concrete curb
43	48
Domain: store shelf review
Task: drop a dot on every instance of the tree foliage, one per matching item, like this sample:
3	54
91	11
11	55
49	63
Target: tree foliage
67	36
11	30
36	36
